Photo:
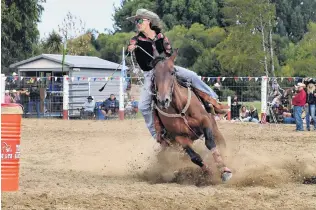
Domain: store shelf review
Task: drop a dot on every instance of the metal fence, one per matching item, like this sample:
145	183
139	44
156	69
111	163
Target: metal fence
43	97
40	97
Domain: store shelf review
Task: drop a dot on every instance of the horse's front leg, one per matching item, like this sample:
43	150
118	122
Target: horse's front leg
226	173
195	157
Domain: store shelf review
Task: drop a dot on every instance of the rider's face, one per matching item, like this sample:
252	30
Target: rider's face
142	24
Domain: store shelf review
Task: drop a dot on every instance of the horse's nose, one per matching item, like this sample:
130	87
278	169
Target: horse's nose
165	102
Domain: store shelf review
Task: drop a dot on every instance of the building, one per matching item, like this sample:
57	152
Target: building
87	75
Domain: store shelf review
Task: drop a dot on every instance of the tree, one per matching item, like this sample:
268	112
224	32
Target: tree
75	35
301	58
171	12
293	17
193	42
187	12
251	19
126	9
53	44
241	54
19	30
112	45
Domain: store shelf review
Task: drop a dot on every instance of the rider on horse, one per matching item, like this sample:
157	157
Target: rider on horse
151	40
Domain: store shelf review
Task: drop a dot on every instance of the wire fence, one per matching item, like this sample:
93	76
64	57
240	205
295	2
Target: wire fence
43	96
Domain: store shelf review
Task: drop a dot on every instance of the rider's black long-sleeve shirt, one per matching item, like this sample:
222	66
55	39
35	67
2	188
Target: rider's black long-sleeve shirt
160	43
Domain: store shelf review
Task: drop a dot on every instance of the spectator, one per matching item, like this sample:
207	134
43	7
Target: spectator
299	101
110	106
253	115
235	107
88	107
132	106
16	97
34	100
24	99
244	114
217	89
310	105
7	97
276	99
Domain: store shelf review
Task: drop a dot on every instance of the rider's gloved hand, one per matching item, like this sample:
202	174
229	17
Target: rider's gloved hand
131	47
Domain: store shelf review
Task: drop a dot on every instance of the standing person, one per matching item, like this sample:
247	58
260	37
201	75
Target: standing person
7	97
235	108
310	105
299	101
34	100
151	39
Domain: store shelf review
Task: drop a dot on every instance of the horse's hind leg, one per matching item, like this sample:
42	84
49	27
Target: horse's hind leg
195	157
226	173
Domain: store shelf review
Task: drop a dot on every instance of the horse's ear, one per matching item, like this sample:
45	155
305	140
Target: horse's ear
174	55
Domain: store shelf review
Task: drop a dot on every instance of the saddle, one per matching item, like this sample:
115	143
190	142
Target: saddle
211	105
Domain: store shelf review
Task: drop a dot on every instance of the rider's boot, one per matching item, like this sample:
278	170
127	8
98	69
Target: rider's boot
214	106
161	132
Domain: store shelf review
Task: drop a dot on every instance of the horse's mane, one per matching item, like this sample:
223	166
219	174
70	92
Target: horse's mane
157	60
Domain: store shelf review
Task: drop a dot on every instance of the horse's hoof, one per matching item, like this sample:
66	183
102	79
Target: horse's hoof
227	175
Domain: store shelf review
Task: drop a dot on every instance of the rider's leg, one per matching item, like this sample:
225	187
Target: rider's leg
145	103
196	82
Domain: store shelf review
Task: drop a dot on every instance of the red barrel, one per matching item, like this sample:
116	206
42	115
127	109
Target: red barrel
11	115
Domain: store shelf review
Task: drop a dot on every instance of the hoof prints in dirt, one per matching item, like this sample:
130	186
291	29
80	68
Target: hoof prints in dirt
186	176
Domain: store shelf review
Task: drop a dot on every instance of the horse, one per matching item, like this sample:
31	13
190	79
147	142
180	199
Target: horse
178	110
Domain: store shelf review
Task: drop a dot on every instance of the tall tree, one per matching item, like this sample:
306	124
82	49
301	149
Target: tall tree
293	17
193	42
249	19
19	31
112	45
126	9
187	12
53	43
301	58
172	12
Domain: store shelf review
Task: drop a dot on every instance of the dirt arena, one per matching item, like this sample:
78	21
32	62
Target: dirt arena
113	165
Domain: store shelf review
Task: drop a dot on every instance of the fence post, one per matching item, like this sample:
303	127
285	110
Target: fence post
121	102
2	87
89	94
65	97
229	98
264	89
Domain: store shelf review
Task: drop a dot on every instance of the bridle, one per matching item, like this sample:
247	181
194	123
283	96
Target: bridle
174	81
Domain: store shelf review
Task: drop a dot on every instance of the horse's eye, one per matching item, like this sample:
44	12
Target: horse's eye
172	73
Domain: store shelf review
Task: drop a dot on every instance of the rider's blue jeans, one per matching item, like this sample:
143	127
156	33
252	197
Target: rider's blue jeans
298	117
310	113
146	96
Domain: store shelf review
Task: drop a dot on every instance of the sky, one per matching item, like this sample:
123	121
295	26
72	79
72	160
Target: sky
95	13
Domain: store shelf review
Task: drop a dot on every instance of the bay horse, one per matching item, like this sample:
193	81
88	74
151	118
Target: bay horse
180	112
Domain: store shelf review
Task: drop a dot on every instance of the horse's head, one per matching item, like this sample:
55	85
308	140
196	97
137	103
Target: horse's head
164	73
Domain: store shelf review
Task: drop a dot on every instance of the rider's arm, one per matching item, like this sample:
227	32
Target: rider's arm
132	41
